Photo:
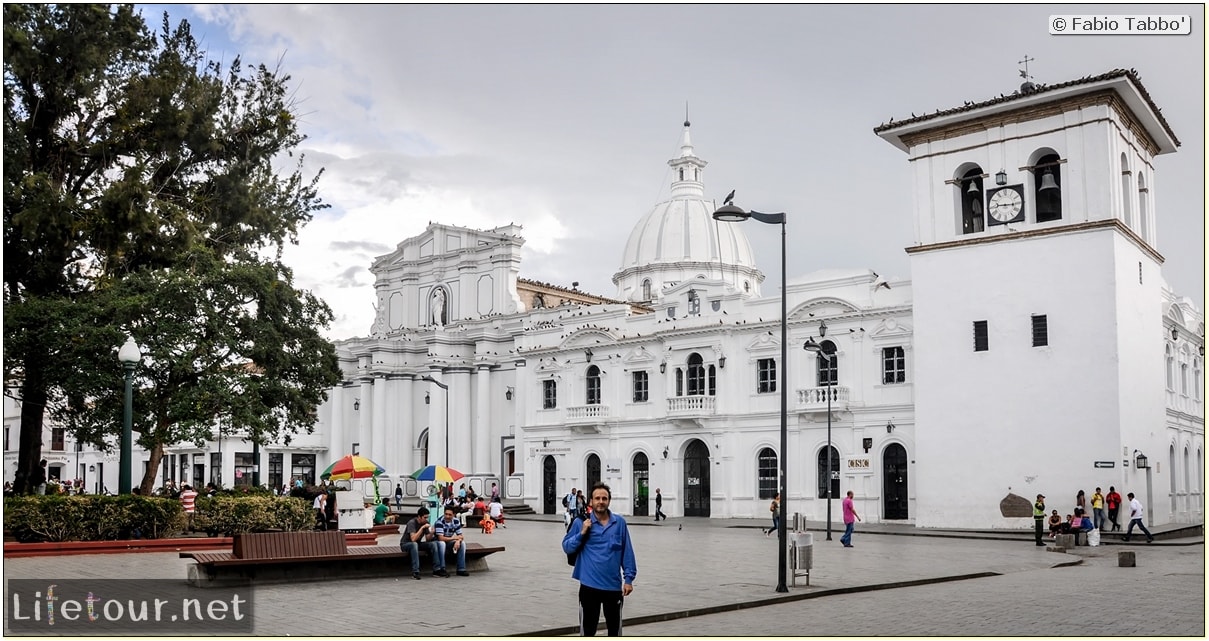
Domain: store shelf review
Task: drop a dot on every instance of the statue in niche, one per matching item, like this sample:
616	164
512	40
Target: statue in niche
378	330
438	306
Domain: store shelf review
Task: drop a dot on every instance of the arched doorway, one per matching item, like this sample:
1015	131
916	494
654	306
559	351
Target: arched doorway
593	474
696	479
641	487
549	485
422	445
894	482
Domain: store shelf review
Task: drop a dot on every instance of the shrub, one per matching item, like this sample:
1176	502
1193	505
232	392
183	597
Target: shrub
90	518
252	513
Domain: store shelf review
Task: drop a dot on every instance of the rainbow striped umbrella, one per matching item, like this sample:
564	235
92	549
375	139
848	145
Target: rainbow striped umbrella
352	467
437	473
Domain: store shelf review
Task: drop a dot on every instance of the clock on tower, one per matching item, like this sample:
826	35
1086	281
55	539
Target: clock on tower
1006	205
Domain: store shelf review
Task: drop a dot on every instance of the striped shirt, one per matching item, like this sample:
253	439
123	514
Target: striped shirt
453	528
187	498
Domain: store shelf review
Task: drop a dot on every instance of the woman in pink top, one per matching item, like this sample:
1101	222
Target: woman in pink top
850	519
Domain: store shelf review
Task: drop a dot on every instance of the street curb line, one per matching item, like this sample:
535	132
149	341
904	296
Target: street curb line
777	600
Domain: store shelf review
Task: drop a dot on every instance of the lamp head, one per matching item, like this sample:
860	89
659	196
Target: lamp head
129	353
810	345
731	214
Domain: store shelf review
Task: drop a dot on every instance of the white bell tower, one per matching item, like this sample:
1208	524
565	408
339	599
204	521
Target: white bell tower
1037	296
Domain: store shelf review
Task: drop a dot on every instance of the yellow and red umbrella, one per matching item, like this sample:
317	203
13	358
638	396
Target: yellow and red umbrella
437	474
352	466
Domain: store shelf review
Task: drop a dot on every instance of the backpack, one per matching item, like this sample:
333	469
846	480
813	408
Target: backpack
564	501
574	555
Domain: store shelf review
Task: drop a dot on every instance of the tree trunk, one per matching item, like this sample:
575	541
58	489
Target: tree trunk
33	407
153	466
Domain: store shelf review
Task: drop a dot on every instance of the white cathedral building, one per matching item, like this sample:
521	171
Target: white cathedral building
948	401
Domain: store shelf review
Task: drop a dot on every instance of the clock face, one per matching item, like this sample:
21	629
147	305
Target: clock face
1006	205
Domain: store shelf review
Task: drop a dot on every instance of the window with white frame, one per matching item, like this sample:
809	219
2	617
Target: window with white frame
593	385
894	365
766	376
642	386
828	364
766	479
549	394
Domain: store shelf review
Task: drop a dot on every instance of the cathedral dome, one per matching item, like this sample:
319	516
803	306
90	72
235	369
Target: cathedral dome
679	240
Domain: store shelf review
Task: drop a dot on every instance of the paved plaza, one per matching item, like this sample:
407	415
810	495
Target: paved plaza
730	565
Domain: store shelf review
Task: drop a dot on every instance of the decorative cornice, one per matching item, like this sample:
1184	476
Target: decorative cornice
1111	223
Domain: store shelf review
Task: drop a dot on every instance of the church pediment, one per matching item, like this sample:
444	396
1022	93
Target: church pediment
640	356
765	342
890	328
822	308
589	337
549	365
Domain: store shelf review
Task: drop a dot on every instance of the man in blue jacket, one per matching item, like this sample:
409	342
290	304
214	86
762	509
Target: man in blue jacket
605	566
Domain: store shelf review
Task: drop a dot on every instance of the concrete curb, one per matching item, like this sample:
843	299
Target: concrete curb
776	600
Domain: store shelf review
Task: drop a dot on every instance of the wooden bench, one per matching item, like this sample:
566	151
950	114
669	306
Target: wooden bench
279	557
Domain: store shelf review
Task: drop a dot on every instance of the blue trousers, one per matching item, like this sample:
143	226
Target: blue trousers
847	538
1138	522
413	552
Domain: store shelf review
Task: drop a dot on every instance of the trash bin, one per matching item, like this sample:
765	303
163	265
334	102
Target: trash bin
801	555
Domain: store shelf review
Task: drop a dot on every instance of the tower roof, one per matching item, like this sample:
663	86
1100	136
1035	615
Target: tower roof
1124	81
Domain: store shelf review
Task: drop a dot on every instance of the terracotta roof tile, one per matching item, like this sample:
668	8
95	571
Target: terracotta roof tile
1039	89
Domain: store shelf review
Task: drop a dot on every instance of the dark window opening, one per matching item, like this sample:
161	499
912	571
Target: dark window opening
641	387
593	385
1047	186
894	365
1040	330
767	475
549	394
973	219
766	376
980	336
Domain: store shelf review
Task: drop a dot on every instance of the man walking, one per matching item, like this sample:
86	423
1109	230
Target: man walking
1113	500
850	519
605	566
1039	517
659	506
569	503
1135	518
188	501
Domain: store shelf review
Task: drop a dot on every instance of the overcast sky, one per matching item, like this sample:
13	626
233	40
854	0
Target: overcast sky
562	119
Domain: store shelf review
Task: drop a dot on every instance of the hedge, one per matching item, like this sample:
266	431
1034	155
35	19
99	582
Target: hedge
106	518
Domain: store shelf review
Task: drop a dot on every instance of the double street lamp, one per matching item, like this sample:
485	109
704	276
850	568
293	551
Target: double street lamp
814	347
129	356
733	214
446	388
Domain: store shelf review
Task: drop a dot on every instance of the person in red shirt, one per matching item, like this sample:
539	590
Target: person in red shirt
188	498
1114	504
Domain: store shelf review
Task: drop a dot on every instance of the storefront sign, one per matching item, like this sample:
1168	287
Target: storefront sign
859	465
552	450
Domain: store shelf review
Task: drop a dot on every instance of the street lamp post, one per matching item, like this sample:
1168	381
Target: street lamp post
811	346
129	356
734	214
446	388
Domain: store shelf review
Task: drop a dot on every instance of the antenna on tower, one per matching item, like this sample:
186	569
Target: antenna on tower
1027	85
686	123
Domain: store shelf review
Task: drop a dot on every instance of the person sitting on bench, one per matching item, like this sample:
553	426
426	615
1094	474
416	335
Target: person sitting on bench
496	510
419	531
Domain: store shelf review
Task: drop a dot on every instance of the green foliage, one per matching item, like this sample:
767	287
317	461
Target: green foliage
142	195
237	514
91	518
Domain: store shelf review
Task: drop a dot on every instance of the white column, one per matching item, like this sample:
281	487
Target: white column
376	447
364	418
405	459
436	421
459	424
335	427
481	462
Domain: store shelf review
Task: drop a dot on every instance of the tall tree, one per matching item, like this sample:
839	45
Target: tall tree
132	163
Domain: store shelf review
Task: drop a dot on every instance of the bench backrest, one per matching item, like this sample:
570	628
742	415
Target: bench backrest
277	545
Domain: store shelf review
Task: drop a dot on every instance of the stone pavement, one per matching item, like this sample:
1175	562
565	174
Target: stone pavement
726	563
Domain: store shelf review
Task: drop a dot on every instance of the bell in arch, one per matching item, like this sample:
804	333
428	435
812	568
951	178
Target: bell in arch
973	188
1047	181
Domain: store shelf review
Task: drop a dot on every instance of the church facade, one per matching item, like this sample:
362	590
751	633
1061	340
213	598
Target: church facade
1035	349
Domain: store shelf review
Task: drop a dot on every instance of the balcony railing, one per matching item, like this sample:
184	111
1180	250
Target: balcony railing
587	412
815	398
690	405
